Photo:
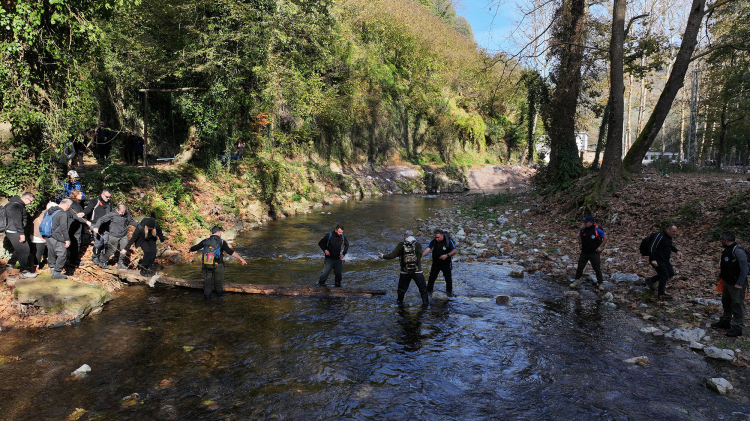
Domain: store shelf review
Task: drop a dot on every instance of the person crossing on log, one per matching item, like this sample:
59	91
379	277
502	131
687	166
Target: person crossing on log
591	239
410	253
118	221
335	246
443	249
212	260
145	236
94	210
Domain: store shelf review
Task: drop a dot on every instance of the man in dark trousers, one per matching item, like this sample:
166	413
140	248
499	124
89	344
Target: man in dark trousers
733	275
443	249
409	252
335	246
94	210
145	237
660	252
591	239
103	138
119	220
16	233
212	259
59	241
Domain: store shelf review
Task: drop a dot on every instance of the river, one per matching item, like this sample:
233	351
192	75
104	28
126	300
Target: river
544	357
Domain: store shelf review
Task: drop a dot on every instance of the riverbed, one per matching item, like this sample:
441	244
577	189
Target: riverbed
544	356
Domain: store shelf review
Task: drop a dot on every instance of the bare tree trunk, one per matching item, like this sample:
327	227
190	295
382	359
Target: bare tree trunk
602	137
682	125
722	135
676	79
642	102
630	112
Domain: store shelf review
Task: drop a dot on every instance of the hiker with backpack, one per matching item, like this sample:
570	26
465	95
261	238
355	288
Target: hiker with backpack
660	250
145	236
733	285
212	262
54	229
94	210
13	220
591	239
118	221
443	249
335	246
409	252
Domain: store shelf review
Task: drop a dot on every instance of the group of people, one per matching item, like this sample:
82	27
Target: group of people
60	233
732	278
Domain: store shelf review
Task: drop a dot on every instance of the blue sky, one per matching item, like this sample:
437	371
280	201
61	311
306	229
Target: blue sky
491	21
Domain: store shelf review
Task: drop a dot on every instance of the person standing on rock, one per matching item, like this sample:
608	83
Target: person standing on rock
443	249
94	210
145	237
76	228
591	239
212	260
660	253
118	221
335	246
15	232
733	275
59	239
409	252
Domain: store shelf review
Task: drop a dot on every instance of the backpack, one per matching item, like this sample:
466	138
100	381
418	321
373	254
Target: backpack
647	244
330	234
410	256
3	218
211	252
46	228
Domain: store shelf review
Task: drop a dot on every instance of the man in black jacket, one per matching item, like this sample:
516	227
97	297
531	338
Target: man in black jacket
145	237
591	239
443	249
213	273
733	274
59	241
16	233
118	221
335	246
660	252
94	210
410	253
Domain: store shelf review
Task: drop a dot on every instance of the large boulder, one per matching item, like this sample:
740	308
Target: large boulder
54	295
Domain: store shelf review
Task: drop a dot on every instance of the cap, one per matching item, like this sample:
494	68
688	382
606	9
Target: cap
407	232
73	173
589	219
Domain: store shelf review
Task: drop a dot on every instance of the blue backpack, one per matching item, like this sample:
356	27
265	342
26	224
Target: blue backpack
45	228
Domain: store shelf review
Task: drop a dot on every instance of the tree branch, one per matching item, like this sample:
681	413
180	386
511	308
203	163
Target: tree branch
632	20
719	47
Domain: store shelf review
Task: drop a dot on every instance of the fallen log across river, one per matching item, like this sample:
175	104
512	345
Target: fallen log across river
133	276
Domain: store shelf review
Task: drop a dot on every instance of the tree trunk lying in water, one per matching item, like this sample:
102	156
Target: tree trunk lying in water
134	276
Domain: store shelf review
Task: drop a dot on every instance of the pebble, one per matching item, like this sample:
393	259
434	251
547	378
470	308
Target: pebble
686	335
609	305
718	353
642	360
649	329
572	294
608	297
696	346
82	371
719	384
502	300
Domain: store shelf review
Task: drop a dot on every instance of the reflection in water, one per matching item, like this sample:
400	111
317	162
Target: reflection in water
262	357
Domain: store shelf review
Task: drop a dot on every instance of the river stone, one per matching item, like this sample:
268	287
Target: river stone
658	332
608	297
608	286
642	360
649	329
82	371
720	385
503	300
718	353
609	305
707	302
230	234
439	296
686	335
629	278
696	346
62	294
573	294
502	220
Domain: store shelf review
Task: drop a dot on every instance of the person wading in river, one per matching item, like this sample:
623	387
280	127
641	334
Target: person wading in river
733	281
335	246
410	253
591	239
213	262
443	249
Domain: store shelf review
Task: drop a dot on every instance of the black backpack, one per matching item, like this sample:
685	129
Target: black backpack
3	219
410	256
211	252
647	244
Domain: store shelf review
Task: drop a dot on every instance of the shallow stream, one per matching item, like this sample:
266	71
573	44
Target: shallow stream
544	357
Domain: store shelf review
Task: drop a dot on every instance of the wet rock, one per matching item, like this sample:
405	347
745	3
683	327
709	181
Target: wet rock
718	353
707	302
608	286
573	294
609	305
658	332
696	346
719	384
515	274
608	297
502	300
629	278
61	294
502	220
439	296
642	360
649	329
96	311
82	371
686	335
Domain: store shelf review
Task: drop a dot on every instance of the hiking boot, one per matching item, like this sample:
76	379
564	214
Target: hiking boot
665	297
576	284
58	275
722	324
321	284
733	332
103	265
121	266
144	272
27	275
337	285
601	286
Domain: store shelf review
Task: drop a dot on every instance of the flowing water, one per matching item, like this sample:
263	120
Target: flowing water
294	358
